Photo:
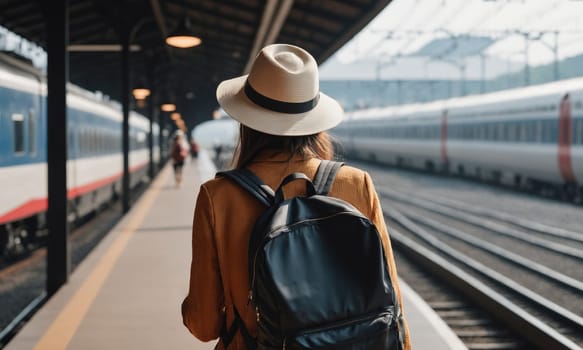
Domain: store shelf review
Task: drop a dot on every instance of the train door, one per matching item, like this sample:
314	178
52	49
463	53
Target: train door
565	140
443	141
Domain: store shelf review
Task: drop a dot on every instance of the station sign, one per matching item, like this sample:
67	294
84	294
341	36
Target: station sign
12	42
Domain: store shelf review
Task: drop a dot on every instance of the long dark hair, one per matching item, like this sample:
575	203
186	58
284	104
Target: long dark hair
252	142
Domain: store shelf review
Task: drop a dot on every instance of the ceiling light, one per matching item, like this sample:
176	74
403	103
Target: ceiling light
182	37
168	107
140	93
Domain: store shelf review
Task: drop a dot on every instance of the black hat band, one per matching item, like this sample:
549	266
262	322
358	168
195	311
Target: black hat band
279	106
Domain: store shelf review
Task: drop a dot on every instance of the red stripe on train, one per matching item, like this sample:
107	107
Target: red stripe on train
38	205
565	140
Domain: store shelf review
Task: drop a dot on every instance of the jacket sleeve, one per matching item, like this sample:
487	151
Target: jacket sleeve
202	309
377	217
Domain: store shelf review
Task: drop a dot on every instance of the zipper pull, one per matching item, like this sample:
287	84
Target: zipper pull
250	297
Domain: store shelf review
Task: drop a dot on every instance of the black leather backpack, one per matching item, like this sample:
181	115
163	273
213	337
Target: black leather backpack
318	272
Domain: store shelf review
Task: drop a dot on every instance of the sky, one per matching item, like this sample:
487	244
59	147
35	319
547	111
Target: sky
390	46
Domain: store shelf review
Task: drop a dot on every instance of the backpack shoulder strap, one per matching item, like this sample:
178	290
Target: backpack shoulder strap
325	175
227	335
251	183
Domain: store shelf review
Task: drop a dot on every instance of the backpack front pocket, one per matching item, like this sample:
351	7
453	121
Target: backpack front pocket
371	332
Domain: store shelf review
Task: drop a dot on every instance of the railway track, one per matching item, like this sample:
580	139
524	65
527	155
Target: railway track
516	284
22	282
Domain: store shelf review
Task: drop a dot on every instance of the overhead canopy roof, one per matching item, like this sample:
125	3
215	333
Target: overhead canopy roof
232	32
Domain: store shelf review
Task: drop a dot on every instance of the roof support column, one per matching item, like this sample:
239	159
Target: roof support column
58	255
125	100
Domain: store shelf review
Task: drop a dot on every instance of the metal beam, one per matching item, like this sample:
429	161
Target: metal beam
157	10
101	48
125	99
263	28
58	254
278	21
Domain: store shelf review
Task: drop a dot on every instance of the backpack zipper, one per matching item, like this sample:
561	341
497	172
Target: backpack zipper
267	237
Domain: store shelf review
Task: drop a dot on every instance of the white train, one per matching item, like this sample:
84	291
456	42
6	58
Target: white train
218	137
94	165
530	137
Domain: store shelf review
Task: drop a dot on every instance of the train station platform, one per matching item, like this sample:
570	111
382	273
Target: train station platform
127	293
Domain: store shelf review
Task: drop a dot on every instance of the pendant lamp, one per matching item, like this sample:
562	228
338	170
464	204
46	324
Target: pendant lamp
182	37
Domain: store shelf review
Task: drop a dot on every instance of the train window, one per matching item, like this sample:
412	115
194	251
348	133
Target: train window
578	130
516	134
86	141
549	132
83	141
101	144
507	132
80	141
483	131
84	135
520	132
493	132
70	138
511	132
546	136
18	132
538	132
533	131
528	131
85	138
31	133
554	131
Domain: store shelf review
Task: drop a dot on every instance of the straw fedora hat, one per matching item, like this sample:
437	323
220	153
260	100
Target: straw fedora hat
280	95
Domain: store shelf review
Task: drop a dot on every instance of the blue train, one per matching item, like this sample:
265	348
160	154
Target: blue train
95	161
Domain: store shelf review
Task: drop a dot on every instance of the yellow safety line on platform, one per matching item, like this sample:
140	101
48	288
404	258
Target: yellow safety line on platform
61	331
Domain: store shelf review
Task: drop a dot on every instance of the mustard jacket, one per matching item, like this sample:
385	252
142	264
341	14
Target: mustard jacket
223	219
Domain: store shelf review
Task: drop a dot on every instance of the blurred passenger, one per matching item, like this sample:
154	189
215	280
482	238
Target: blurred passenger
194	148
179	153
284	118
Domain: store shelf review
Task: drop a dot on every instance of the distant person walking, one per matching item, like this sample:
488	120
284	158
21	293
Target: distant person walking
179	153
